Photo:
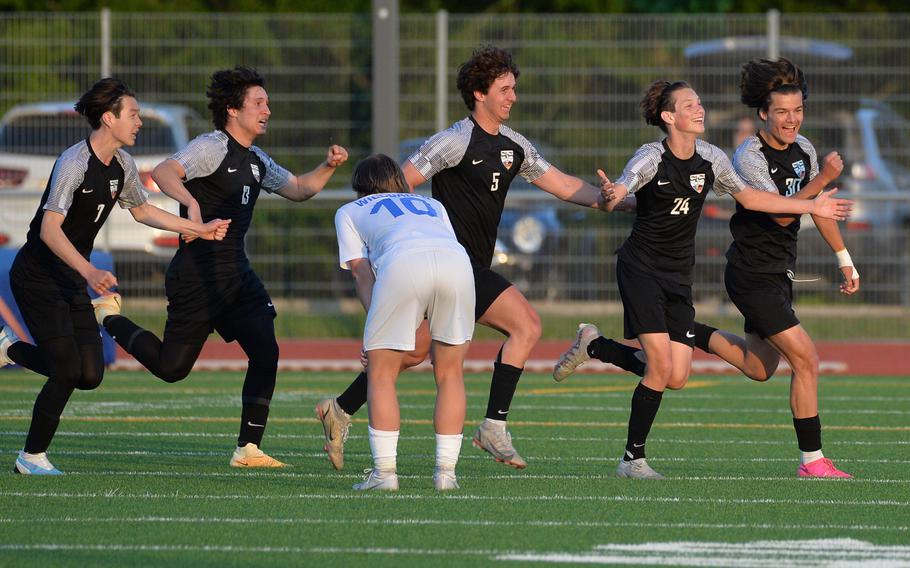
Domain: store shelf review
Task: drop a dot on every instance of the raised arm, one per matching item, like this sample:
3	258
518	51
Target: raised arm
303	187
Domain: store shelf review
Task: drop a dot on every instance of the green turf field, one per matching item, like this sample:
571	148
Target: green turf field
148	482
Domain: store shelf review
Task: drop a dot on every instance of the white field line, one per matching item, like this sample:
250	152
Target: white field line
524	437
757	554
450	522
466	456
244	497
251	549
495	477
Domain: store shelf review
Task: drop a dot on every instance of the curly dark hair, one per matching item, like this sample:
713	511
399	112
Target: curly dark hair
228	89
477	73
761	77
378	173
658	98
105	95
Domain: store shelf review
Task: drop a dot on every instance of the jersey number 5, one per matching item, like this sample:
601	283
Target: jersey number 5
495	185
680	206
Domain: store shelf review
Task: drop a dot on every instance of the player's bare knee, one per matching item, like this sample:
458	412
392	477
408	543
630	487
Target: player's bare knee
678	382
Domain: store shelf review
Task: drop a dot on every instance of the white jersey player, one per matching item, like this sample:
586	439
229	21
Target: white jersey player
407	264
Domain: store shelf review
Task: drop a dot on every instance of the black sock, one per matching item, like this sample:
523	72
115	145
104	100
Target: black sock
808	433
46	416
355	396
502	389
645	403
618	354
703	336
28	356
253	419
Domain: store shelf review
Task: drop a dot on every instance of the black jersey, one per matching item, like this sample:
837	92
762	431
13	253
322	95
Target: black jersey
471	171
759	243
83	189
670	193
225	179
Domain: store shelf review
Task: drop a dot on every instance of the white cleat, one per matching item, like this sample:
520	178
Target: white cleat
35	464
497	441
577	355
444	479
378	479
636	469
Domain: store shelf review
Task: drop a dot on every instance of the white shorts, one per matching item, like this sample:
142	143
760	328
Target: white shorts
435	283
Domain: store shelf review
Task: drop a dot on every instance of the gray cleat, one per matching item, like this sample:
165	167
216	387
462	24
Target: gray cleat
577	355
335	424
497	441
636	469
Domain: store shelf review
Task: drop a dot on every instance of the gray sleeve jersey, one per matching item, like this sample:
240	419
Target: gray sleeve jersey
276	177
808	148
68	175
533	165
752	165
202	156
134	193
443	150
725	178
642	167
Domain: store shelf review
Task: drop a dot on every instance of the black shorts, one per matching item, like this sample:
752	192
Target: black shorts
488	286
654	305
195	309
57	312
765	300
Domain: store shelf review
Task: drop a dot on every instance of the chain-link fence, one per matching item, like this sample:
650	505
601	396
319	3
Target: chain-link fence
581	79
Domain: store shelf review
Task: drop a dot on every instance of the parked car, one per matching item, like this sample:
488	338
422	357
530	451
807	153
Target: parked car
32	136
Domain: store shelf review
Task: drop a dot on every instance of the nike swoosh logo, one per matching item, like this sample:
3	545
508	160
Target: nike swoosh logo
255	425
270	305
690	335
475	162
663	183
87	190
638	445
501	412
232	170
773	170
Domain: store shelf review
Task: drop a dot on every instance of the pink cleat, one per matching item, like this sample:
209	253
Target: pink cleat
822	467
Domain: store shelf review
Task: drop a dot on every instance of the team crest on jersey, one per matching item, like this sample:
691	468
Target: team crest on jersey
697	181
799	168
115	185
507	156
255	170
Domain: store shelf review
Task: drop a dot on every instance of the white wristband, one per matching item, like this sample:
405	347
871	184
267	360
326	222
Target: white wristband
843	259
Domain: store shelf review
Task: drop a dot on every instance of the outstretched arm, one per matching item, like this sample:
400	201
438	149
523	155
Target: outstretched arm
574	189
825	205
148	214
303	187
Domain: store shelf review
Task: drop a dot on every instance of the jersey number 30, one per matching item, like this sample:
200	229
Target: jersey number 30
680	206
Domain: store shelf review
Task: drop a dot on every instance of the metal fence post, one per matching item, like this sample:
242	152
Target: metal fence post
442	69
773	34
105	42
385	77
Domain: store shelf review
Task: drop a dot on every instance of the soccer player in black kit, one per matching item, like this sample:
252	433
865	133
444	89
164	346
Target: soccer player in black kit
761	261
52	269
472	165
670	180
213	288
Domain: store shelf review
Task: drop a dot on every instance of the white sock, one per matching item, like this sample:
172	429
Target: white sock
499	424
448	447
806	457
384	446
